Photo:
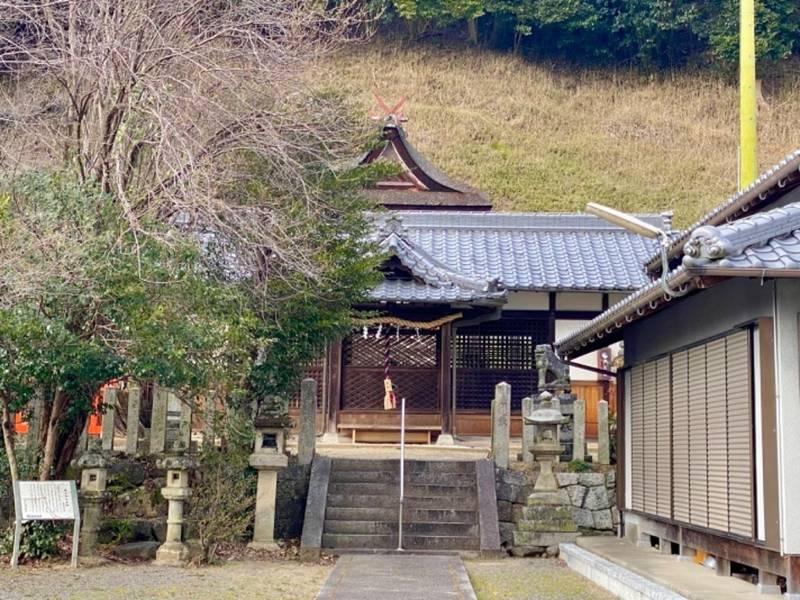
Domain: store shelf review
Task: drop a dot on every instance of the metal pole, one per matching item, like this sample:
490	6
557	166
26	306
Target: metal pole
402	471
748	164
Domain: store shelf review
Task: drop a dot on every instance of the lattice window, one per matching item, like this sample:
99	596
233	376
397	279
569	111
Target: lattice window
316	371
496	351
413	369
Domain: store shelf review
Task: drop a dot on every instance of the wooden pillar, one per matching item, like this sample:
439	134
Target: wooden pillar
793	576
445	360
334	366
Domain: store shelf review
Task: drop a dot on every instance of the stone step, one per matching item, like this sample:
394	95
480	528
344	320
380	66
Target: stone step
453	492
410	514
412	478
412	490
410	542
386	501
439	466
434	528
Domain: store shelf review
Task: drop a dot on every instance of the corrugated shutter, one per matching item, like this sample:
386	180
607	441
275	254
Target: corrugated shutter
637	437
698	448
680	436
663	438
650	442
717	411
740	434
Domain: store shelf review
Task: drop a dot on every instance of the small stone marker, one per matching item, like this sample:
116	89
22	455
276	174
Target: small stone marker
527	431
603	447
579	430
110	406
501	424
158	423
307	436
134	406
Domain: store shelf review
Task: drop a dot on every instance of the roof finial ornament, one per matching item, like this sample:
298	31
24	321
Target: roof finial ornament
393	115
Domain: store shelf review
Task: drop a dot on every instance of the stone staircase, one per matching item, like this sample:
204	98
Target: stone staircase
441	506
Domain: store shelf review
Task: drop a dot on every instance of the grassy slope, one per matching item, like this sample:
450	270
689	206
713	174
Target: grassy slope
540	137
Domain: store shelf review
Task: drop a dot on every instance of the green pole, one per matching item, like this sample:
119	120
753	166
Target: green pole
748	162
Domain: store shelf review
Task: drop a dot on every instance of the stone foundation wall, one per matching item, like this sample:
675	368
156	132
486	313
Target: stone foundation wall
590	497
290	508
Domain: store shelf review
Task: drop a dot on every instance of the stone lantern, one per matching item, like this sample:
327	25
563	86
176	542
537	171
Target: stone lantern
268	458
94	472
546	448
178	465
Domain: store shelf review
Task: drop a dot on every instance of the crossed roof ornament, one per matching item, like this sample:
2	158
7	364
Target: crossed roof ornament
393	114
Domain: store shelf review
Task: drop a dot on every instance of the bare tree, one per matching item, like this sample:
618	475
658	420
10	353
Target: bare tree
162	103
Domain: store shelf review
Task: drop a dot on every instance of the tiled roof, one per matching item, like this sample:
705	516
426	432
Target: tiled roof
769	183
767	240
765	244
529	251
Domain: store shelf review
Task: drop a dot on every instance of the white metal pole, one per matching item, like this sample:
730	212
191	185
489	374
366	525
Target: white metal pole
402	471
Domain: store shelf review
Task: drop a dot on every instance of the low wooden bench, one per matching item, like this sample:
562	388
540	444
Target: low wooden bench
415	434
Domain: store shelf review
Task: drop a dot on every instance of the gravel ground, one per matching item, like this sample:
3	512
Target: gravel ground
530	579
239	580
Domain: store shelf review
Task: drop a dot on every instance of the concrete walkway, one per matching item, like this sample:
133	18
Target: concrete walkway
678	579
397	576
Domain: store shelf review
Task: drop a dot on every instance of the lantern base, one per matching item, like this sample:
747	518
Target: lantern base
172	554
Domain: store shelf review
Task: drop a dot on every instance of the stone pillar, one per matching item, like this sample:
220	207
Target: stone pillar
527	431
267	458
134	407
110	409
185	425
603	445
501	424
307	436
158	420
173	551
34	436
686	553
209	416
723	566
579	430
93	493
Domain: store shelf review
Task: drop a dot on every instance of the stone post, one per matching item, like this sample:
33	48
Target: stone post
307	436
501	424
603	446
527	431
173	552
158	420
267	458
134	407
185	426
110	408
209	415
35	427
93	465
579	430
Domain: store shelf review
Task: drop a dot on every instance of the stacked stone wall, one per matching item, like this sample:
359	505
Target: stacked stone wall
590	498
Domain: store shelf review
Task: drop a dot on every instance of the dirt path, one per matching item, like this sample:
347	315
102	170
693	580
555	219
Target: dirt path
233	581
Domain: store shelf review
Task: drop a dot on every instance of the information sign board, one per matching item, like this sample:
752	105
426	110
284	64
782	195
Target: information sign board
45	501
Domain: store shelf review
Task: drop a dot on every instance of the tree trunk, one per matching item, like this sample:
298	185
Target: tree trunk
8	441
67	443
472	31
48	456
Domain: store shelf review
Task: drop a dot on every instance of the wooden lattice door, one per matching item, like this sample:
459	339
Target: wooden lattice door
414	369
495	351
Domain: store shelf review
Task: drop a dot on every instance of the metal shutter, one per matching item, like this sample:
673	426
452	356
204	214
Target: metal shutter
680	436
698	447
649	442
740	434
717	428
637	437
663	438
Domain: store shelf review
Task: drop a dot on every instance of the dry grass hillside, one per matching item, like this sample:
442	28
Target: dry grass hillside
541	137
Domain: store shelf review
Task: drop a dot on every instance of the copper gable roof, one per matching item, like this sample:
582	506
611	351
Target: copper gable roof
420	185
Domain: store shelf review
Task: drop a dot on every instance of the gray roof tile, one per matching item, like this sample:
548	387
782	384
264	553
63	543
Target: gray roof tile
529	251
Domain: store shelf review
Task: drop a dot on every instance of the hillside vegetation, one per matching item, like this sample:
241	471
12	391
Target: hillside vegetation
539	137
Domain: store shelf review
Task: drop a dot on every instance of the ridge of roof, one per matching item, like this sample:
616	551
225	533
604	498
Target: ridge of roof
741	201
765	244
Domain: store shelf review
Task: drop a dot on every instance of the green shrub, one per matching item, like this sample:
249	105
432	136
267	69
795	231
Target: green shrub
39	540
578	466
